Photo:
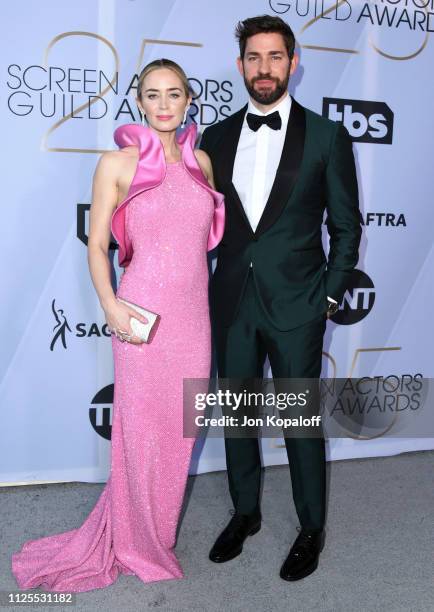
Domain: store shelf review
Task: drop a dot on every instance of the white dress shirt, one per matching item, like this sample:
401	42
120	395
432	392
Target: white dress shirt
257	159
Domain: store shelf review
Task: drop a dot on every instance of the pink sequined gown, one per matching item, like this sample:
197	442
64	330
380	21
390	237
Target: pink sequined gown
164	228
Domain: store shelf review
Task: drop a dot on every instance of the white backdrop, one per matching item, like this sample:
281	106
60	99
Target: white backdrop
68	82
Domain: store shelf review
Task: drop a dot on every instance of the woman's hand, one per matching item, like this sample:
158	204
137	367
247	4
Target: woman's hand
118	317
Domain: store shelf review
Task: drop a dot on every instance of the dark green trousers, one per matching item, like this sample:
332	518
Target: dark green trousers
241	351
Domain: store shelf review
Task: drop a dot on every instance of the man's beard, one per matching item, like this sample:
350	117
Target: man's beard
267	96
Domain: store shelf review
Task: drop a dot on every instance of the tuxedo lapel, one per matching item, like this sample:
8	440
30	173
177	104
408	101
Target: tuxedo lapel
288	169
227	153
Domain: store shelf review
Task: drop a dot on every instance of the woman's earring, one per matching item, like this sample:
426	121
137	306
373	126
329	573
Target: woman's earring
142	114
184	121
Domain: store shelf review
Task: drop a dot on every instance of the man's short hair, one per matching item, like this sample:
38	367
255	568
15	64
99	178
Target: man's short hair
264	24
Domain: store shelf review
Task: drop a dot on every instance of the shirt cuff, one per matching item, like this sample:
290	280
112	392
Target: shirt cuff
331	300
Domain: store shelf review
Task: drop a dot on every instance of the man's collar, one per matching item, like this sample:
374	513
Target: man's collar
284	108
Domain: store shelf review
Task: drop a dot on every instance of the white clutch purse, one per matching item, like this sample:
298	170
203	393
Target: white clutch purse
145	331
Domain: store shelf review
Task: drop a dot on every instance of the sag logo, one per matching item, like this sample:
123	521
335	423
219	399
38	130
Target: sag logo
358	299
365	121
100	411
82	330
61	326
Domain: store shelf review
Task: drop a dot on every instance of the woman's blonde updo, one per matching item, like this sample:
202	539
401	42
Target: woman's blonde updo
164	63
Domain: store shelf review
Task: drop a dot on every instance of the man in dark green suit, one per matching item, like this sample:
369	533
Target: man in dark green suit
280	166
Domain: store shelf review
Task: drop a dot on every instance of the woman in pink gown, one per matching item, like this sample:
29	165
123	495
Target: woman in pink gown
169	219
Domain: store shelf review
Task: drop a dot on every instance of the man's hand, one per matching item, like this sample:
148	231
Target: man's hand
332	307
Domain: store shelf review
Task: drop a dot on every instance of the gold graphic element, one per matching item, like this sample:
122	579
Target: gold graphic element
317	18
55	126
354	51
379	435
370	350
161	42
357	352
333	360
398	57
334	50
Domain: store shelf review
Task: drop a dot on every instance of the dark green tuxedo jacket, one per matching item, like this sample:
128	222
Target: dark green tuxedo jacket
292	275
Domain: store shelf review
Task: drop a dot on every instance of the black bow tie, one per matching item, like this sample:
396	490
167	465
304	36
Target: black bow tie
273	121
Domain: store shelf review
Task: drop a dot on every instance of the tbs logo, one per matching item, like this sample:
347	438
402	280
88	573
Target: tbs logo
365	121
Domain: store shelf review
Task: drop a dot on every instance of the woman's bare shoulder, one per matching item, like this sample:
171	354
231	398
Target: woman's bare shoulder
114	162
204	161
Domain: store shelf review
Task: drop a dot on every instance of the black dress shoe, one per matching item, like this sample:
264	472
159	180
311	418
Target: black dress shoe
230	542
303	556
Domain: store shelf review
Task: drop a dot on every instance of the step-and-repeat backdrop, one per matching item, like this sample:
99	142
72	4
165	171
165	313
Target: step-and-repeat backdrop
68	79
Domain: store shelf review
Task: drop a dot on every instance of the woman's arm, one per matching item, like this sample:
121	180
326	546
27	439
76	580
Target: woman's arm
104	202
204	162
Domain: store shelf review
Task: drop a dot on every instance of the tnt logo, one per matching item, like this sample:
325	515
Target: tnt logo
100	412
358	299
365	121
